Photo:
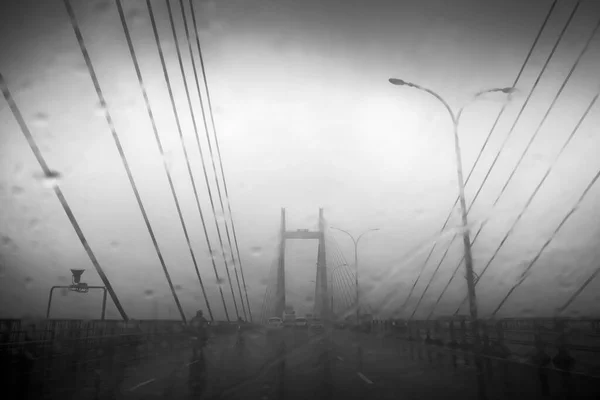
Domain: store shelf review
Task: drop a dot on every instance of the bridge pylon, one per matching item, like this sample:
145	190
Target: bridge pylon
321	303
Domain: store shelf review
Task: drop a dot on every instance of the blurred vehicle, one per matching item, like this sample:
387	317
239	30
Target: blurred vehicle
289	317
316	326
340	325
301	322
274	323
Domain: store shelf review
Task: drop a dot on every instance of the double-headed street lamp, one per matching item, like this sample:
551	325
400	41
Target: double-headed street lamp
461	188
356	265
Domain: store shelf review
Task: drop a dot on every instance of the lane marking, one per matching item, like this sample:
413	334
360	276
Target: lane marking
142	384
364	378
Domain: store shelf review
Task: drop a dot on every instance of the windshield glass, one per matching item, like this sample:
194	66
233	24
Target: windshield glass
431	161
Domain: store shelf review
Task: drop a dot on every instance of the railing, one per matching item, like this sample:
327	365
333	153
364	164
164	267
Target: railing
43	355
557	355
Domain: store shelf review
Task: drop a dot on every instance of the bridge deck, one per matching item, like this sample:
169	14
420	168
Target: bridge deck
283	364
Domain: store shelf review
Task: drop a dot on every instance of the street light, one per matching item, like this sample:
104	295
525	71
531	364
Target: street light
461	189
356	264
78	287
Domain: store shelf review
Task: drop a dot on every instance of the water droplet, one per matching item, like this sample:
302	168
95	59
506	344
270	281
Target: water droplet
213	254
149	293
34	224
136	16
100	110
7	241
256	251
18	169
64	292
169	158
40	120
50	179
102	6
114	245
28	281
221	282
17	190
220	216
178	287
62	278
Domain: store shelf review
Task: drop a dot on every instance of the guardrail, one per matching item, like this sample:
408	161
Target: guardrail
543	356
42	355
571	344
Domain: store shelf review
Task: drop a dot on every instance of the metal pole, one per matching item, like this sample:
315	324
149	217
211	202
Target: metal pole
356	282
466	237
50	302
103	305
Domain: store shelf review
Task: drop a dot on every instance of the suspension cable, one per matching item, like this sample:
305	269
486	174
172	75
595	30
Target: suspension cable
120	150
160	148
517	119
554	234
180	132
566	80
345	280
552	165
208	188
430	280
484	146
210	111
349	276
337	263
48	173
194	69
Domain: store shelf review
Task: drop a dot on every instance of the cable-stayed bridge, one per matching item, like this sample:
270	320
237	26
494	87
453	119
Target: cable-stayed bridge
384	358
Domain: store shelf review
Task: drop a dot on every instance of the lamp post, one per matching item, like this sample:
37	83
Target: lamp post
78	287
455	117
356	266
463	204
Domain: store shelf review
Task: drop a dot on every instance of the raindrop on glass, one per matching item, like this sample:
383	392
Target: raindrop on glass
149	293
100	110
18	169
136	16
221	282
34	224
17	190
64	292
28	282
114	245
40	120
212	254
50	179
169	159
220	216
102	6
178	287
62	278
6	241
256	251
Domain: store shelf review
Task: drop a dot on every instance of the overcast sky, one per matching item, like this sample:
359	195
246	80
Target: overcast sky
305	118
